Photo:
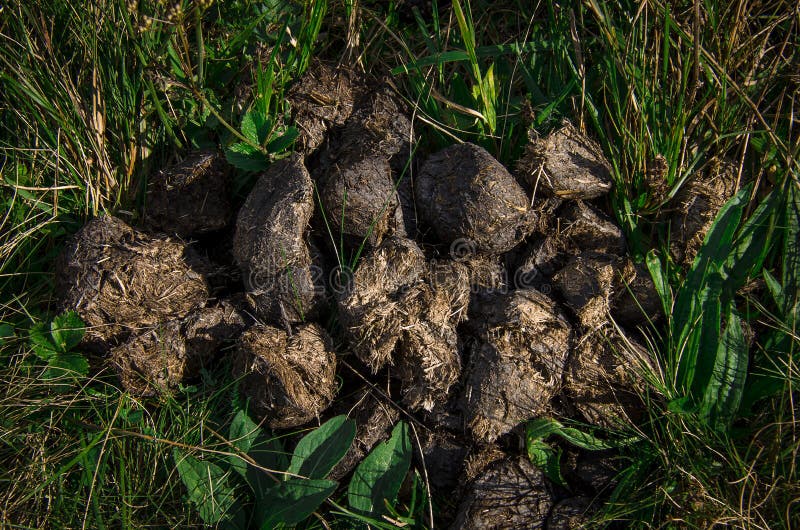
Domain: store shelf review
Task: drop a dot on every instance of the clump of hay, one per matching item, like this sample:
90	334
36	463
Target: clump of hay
270	244
289	379
121	280
516	361
463	193
161	358
565	164
190	198
370	302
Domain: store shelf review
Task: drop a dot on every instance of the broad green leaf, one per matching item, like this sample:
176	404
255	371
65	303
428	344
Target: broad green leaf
67	330
281	143
291	501
699	360
320	450
256	127
243	156
268	453
243	432
6	332
378	478
539	429
723	393
41	341
547	459
208	488
790	279
68	364
775	289
753	242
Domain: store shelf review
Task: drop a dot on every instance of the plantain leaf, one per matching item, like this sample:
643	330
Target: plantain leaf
320	450
208	489
293	500
378	478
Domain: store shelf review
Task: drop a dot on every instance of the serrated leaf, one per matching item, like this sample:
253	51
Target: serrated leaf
320	450
256	127
41	341
69	364
67	330
281	143
208	488
291	501
378	478
250	161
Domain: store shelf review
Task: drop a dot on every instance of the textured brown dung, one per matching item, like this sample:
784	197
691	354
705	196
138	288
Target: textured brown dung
289	380
428	359
370	301
120	280
516	361
602	378
635	299
374	421
586	283
698	203
359	194
463	193
512	494
565	164
578	228
321	99
161	358
189	198
572	513
270	244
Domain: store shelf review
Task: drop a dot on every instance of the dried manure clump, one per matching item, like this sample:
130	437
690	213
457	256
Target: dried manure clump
374	422
463	193
511	494
578	228
516	361
429	361
270	244
322	99
289	380
370	302
159	359
565	164
698	203
570	514
120	280
190	198
602	378
359	194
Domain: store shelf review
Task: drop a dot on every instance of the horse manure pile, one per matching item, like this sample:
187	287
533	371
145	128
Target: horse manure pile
481	297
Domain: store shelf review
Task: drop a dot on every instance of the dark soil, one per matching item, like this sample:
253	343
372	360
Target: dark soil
190	198
121	280
289	379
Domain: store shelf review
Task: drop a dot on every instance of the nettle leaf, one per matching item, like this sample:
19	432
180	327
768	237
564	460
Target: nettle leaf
293	500
321	449
282	142
41	341
67	330
246	157
256	127
208	489
67	364
378	478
